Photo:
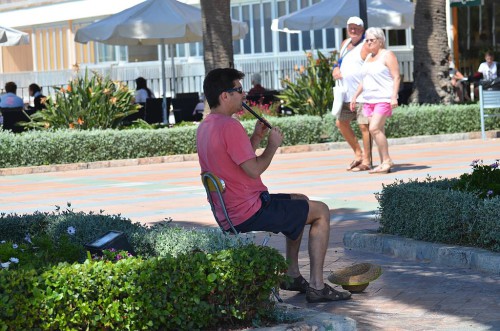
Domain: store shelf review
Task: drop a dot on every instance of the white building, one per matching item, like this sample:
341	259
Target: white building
50	57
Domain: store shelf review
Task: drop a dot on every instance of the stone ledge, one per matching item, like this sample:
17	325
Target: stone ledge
410	249
313	320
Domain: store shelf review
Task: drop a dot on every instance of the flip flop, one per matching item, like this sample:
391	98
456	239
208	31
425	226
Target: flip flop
361	167
354	164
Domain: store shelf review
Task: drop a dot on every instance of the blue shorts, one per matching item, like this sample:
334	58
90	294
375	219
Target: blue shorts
279	213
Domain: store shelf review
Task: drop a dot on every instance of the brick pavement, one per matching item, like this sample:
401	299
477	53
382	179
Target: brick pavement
408	296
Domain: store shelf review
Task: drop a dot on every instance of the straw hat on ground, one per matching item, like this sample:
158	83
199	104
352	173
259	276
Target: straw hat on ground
356	277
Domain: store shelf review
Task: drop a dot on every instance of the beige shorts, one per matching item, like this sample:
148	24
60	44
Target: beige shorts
346	115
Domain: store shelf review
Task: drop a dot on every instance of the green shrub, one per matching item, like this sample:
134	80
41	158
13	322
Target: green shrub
80	228
311	94
433	211
86	103
73	146
191	292
484	180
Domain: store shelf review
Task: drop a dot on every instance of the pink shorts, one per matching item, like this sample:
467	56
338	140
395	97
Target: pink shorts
381	108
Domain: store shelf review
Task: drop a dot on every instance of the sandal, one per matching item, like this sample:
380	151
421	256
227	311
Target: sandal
298	284
326	294
383	168
354	164
361	167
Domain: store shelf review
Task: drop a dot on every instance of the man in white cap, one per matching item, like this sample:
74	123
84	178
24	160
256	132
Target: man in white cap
353	52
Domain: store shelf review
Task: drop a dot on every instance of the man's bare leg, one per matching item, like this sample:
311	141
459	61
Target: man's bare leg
319	233
349	136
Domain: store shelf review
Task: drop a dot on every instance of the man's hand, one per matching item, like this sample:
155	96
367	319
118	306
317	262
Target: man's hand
275	138
260	129
336	73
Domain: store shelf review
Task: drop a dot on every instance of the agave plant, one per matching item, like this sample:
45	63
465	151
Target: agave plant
311	93
88	102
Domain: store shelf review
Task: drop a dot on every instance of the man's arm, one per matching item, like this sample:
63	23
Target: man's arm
256	166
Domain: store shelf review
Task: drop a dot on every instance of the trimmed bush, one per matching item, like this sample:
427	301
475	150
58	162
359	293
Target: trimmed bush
432	211
190	292
191	279
72	146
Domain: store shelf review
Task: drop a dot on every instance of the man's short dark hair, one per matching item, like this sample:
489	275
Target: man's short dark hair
217	81
10	87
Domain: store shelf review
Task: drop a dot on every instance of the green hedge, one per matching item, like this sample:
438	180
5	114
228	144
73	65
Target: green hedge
432	211
72	146
190	292
182	279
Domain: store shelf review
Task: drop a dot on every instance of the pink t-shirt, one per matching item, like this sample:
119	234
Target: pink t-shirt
223	145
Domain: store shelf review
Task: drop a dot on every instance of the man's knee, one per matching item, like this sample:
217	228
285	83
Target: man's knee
319	212
298	196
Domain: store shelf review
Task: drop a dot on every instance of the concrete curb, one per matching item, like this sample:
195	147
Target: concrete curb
313	320
410	249
194	157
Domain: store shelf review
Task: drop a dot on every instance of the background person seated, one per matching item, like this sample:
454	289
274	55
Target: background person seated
142	92
489	68
457	81
199	109
257	88
10	99
38	98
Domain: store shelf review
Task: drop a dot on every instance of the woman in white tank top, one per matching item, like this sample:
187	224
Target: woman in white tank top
379	88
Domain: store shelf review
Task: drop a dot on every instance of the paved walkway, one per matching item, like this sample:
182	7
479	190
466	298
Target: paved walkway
408	296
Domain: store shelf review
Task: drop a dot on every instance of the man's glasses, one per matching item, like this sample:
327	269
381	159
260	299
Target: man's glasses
371	40
235	89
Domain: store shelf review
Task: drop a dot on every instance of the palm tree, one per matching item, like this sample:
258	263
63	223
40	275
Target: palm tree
217	34
430	54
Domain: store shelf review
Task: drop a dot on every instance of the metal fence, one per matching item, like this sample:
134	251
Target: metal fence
189	73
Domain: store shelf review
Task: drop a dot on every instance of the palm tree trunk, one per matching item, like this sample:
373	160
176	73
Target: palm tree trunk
217	34
431	80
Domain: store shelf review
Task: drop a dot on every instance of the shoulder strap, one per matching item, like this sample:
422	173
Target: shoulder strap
343	50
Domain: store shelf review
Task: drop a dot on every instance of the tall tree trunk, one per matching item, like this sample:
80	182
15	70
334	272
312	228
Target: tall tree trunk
217	34
430	53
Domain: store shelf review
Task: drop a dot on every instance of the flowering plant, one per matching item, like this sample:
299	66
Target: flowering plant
88	102
262	109
112	255
311	93
484	179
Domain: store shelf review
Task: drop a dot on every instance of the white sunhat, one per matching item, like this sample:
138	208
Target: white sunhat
355	20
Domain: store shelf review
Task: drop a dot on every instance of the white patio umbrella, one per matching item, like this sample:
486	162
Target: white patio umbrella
385	14
3	35
13	37
153	22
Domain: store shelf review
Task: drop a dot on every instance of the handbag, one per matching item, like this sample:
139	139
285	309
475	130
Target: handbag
338	98
339	91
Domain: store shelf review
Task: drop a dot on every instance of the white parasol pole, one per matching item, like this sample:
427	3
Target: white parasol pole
174	85
164	82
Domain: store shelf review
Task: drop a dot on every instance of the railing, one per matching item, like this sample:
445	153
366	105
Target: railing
189	74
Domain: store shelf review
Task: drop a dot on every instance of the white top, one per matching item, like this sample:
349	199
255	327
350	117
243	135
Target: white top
378	84
489	72
351	72
141	96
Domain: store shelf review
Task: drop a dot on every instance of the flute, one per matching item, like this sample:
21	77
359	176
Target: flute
266	123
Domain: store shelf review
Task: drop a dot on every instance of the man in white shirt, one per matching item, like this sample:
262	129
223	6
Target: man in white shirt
349	71
488	68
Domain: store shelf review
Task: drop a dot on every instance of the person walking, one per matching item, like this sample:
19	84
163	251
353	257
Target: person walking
353	53
225	149
379	86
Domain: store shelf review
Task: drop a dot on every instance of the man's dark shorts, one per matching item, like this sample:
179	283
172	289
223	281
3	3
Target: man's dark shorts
279	213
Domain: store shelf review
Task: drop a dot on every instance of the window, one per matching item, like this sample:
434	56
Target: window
396	38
